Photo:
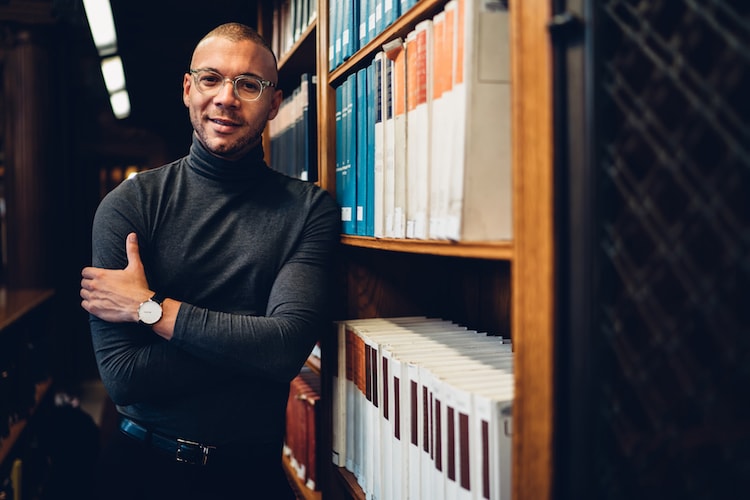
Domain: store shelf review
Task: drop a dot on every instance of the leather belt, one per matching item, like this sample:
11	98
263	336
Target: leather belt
182	450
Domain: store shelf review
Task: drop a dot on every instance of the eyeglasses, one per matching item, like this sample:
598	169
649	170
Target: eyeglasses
247	88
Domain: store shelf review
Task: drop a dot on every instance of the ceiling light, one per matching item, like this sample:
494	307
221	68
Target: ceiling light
120	102
114	75
102	25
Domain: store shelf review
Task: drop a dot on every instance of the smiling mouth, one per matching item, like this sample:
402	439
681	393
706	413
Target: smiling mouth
223	122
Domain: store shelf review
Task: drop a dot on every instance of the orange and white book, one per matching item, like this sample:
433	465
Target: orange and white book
440	131
419	97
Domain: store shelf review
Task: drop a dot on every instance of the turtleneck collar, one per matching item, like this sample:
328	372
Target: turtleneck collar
213	167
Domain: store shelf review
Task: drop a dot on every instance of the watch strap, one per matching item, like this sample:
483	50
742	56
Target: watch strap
158	298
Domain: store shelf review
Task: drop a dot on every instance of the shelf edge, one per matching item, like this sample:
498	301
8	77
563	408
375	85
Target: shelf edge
490	250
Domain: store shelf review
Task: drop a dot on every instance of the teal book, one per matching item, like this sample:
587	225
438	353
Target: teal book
369	102
344	180
350	137
361	140
363	35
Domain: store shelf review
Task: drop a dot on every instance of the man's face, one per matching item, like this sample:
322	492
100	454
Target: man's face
226	125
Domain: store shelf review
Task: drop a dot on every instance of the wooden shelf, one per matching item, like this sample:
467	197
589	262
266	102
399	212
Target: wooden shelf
300	59
491	250
349	482
14	304
6	444
300	490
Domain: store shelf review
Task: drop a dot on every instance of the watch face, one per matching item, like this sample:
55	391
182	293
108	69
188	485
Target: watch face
149	312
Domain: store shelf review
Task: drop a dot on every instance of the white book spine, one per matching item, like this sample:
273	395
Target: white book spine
379	146
422	117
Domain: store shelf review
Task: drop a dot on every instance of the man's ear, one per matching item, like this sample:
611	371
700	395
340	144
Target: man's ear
278	96
187	82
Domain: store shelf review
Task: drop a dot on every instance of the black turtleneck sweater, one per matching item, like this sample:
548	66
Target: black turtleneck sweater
249	252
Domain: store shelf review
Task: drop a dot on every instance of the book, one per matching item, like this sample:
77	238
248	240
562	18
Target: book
334	35
371	22
388	148
419	81
390	12
379	19
361	166
369	103
492	418
363	33
302	425
390	464
379	148
345	178
310	397
395	50
347	27
339	399
308	97
440	117
352	400
353	26
480	205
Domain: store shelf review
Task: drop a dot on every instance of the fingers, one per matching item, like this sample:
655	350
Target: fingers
113	294
132	250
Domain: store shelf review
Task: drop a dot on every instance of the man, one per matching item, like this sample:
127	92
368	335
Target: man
208	290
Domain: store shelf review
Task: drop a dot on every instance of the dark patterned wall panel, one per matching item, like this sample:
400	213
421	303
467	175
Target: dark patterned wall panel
674	170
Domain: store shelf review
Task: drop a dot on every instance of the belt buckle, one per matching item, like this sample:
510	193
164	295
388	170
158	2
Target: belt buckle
191	452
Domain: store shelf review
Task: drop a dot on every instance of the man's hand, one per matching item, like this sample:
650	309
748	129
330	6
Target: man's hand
112	294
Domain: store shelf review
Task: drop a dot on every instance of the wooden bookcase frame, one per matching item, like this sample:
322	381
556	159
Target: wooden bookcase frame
530	255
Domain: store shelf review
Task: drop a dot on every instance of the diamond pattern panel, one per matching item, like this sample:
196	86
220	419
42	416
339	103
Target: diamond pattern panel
674	187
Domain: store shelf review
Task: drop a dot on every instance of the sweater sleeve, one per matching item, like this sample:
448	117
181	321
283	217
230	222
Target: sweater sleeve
273	346
135	364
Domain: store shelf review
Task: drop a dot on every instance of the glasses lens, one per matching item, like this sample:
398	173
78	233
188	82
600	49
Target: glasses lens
248	88
208	81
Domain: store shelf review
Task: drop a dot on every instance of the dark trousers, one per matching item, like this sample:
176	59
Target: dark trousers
129	469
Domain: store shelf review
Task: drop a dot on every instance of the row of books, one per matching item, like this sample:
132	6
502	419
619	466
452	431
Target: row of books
302	427
422	408
353	23
423	139
294	132
290	19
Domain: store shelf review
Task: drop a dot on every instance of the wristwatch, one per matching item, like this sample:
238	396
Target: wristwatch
149	312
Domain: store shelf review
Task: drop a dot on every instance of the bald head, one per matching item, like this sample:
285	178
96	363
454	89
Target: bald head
235	32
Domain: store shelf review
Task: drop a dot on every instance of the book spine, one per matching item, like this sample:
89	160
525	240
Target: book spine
361	152
379	149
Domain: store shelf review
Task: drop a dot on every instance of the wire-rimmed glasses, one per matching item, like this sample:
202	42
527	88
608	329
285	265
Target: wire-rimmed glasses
246	87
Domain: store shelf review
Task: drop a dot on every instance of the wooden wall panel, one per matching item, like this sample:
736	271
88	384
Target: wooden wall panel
27	81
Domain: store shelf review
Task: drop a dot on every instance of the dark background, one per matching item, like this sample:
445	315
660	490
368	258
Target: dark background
155	41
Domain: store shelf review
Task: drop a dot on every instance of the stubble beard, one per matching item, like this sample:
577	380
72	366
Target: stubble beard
230	150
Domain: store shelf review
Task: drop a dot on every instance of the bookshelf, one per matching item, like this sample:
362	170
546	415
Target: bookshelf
505	287
23	314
